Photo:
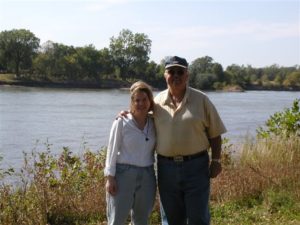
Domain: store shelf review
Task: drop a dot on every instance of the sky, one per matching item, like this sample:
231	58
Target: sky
259	33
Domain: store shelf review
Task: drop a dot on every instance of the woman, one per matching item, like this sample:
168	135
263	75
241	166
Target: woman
131	184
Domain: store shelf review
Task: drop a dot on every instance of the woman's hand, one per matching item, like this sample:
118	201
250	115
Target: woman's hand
111	185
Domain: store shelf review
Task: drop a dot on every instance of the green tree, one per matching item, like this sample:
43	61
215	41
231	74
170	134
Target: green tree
204	64
17	49
204	73
130	52
217	69
106	62
271	71
87	60
278	79
292	79
154	75
56	61
205	81
238	75
283	123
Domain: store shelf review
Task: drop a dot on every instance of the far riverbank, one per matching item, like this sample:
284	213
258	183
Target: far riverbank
9	79
104	84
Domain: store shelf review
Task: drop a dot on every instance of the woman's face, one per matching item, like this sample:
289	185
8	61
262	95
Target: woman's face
140	103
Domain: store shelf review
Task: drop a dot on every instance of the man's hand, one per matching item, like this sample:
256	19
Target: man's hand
215	169
111	185
215	166
123	113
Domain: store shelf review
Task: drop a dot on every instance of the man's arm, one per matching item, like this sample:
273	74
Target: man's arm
215	165
123	113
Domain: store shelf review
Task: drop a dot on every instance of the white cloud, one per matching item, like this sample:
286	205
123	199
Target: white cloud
268	31
200	40
258	31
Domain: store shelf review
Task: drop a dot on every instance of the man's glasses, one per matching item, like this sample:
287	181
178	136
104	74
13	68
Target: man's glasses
179	72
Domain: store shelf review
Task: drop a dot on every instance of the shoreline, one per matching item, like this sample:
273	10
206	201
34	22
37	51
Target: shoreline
105	84
125	85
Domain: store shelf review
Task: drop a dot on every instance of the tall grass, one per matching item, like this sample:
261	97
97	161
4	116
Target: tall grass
261	186
265	163
64	190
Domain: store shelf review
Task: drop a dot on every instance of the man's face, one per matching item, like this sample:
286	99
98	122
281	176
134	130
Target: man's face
176	77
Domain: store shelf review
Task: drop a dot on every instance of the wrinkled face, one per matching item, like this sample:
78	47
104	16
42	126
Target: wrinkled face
176	77
140	102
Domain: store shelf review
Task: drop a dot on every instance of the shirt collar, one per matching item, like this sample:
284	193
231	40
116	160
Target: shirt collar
185	99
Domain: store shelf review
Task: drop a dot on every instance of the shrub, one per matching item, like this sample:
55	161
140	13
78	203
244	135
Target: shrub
67	189
283	123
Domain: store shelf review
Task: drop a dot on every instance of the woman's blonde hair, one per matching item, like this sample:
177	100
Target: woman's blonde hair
141	86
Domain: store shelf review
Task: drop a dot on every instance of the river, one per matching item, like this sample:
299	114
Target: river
80	118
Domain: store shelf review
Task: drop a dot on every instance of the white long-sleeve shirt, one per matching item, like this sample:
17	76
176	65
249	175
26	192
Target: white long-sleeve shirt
130	145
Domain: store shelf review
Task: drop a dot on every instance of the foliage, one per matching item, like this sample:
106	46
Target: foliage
205	81
284	123
203	72
292	79
65	190
17	49
55	61
237	75
126	59
58	62
259	187
270	207
130	52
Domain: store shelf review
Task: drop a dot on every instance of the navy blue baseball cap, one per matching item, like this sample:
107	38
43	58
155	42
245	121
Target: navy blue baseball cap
176	61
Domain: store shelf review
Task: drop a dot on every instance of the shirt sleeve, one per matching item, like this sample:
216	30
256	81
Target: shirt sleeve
114	143
215	125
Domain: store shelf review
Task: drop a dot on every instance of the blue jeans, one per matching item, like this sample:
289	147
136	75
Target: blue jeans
135	195
163	216
184	189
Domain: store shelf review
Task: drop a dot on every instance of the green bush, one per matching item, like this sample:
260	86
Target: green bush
283	123
66	189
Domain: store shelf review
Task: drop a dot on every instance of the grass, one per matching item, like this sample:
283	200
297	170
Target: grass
272	207
261	187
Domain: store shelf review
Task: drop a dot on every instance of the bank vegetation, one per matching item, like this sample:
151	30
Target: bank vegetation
259	184
125	60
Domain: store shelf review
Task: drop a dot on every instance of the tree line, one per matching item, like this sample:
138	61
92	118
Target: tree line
125	59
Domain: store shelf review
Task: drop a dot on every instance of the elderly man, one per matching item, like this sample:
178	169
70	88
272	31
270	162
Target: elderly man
187	124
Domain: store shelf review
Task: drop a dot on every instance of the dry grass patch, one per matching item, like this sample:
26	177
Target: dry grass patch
263	164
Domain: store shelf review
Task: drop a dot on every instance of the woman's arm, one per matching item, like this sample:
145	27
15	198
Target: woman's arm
115	139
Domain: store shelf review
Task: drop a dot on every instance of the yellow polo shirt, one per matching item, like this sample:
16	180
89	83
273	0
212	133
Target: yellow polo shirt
185	130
